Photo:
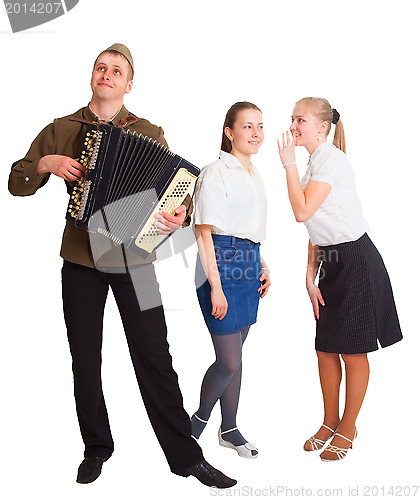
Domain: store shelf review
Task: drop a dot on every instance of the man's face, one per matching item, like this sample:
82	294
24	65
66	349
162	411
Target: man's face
110	77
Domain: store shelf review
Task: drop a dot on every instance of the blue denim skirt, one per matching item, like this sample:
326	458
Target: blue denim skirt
239	266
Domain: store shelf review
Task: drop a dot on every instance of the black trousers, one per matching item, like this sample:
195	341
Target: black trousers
84	295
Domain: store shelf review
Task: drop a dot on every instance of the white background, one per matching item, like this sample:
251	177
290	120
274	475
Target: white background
192	61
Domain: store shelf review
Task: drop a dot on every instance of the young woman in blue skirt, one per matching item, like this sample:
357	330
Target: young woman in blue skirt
231	276
353	303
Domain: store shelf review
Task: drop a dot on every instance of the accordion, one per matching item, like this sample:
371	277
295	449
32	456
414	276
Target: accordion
129	178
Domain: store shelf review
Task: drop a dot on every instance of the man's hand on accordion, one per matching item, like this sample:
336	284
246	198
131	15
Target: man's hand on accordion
62	166
167	223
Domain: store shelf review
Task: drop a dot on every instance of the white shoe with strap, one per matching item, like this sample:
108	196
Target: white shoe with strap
200	420
247	450
318	444
340	452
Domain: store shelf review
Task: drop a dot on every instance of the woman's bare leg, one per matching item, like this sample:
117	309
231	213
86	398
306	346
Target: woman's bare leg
357	378
329	367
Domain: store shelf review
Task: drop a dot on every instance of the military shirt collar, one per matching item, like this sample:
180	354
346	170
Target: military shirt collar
121	116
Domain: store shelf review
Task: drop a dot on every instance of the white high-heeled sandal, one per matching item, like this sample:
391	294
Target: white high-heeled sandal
247	450
316	443
340	452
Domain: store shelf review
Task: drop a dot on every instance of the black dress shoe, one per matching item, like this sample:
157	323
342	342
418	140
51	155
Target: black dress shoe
90	469
208	475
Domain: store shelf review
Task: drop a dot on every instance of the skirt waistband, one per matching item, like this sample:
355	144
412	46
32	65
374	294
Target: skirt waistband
338	245
231	240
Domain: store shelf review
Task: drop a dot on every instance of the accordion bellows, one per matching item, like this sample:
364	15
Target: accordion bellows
129	178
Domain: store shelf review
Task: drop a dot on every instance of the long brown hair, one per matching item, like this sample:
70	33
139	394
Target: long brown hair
230	121
323	110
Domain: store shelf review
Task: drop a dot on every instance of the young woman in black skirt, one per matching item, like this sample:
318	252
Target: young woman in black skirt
231	276
353	303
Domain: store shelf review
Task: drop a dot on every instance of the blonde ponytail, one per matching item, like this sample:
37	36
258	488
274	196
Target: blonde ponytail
339	140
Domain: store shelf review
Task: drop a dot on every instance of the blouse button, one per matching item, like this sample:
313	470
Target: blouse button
26	179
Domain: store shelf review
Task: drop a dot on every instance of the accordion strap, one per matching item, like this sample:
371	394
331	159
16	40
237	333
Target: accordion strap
124	122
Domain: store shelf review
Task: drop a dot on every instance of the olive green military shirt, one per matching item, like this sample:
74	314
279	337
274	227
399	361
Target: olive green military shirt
64	137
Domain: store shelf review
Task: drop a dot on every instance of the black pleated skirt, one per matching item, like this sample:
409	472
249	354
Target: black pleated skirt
359	306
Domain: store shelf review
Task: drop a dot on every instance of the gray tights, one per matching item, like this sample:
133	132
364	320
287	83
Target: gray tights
222	381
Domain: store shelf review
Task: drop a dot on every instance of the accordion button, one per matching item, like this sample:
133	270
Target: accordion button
26	179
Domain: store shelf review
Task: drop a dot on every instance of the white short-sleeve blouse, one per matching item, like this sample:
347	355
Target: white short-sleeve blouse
340	218
231	200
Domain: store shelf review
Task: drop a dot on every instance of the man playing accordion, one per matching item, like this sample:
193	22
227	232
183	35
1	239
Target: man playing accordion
131	278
